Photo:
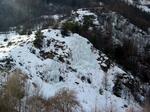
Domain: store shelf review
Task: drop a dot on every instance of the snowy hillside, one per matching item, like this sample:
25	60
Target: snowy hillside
71	62
75	56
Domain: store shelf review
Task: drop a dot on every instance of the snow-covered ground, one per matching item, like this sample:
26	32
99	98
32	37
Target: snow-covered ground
78	68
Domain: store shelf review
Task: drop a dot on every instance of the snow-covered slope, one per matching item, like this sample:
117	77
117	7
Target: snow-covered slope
65	62
142	4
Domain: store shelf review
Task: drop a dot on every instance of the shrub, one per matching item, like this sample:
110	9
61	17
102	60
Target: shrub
34	103
72	26
38	42
88	21
11	94
63	101
14	87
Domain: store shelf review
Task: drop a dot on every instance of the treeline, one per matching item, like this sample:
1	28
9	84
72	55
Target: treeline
18	12
137	16
128	54
73	3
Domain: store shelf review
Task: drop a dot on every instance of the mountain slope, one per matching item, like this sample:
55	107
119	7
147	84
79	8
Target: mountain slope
65	62
52	61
